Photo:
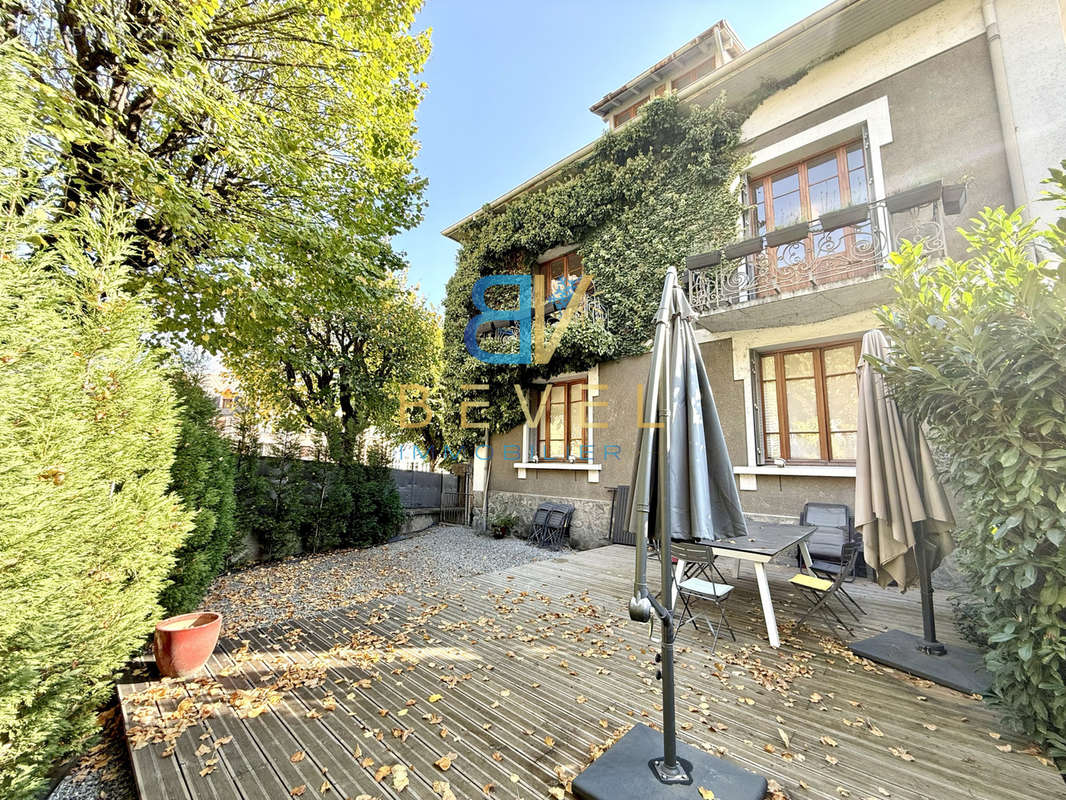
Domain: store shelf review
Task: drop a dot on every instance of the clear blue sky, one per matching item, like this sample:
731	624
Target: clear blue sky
510	84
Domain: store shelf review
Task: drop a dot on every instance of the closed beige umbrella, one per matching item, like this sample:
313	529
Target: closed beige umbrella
896	488
903	513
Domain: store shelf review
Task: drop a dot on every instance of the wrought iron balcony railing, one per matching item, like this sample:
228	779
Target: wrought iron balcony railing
591	308
839	246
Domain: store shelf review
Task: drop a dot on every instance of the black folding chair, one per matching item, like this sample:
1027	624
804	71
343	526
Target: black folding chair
835	526
820	590
551	525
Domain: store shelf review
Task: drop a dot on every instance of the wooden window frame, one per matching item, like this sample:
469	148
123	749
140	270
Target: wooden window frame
629	112
568	421
765	181
825	441
567	259
705	67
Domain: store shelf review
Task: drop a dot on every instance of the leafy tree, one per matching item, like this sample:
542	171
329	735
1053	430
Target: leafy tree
202	475
981	360
341	371
266	146
88	528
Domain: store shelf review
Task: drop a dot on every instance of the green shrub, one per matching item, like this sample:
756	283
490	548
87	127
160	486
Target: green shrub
202	475
288	499
377	513
87	527
981	359
291	506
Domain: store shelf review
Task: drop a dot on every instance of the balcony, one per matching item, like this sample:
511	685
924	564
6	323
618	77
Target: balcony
816	270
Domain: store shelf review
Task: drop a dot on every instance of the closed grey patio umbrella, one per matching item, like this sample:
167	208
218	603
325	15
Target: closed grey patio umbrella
681	456
902	510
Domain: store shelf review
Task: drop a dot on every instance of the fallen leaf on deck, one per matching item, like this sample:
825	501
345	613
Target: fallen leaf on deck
899	752
445	761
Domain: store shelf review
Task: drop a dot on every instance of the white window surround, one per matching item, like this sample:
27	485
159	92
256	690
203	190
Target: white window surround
874	115
744	342
804	470
592	378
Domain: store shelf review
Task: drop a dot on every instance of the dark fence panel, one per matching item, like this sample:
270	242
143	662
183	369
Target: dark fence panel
423	489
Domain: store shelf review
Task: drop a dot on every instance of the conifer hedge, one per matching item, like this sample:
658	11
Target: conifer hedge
88	527
87	434
981	359
202	475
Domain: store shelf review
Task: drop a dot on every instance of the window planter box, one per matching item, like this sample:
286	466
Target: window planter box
787	235
745	248
911	198
713	258
852	215
954	198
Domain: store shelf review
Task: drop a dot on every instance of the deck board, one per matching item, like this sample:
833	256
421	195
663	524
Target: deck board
536	666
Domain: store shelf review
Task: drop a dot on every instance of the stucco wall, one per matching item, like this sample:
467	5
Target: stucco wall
776	496
1033	33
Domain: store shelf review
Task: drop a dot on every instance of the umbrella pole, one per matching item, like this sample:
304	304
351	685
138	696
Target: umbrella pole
669	769
929	644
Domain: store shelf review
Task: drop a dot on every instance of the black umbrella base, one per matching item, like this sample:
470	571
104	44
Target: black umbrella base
960	668
627	771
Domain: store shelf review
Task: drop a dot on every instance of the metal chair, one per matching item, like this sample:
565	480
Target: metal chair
698	583
834	527
820	590
551	525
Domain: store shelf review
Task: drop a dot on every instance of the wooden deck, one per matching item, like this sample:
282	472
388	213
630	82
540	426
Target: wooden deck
523	675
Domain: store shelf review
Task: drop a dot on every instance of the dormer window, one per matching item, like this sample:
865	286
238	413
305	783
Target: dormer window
629	113
705	67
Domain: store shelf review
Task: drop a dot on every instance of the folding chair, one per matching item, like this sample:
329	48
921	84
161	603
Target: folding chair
698	583
538	530
551	525
820	590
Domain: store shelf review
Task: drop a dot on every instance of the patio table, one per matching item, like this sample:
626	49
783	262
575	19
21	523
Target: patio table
764	541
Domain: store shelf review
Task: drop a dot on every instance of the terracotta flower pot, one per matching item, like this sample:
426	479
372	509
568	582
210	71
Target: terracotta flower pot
184	643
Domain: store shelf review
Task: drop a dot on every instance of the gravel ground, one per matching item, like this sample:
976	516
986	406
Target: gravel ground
301	586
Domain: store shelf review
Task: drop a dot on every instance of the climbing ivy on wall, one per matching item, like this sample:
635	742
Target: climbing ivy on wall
659	189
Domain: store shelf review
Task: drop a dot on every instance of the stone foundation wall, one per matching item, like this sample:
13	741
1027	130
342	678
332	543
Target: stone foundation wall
589	527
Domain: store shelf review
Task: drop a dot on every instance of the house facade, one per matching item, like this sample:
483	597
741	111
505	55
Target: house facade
900	120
